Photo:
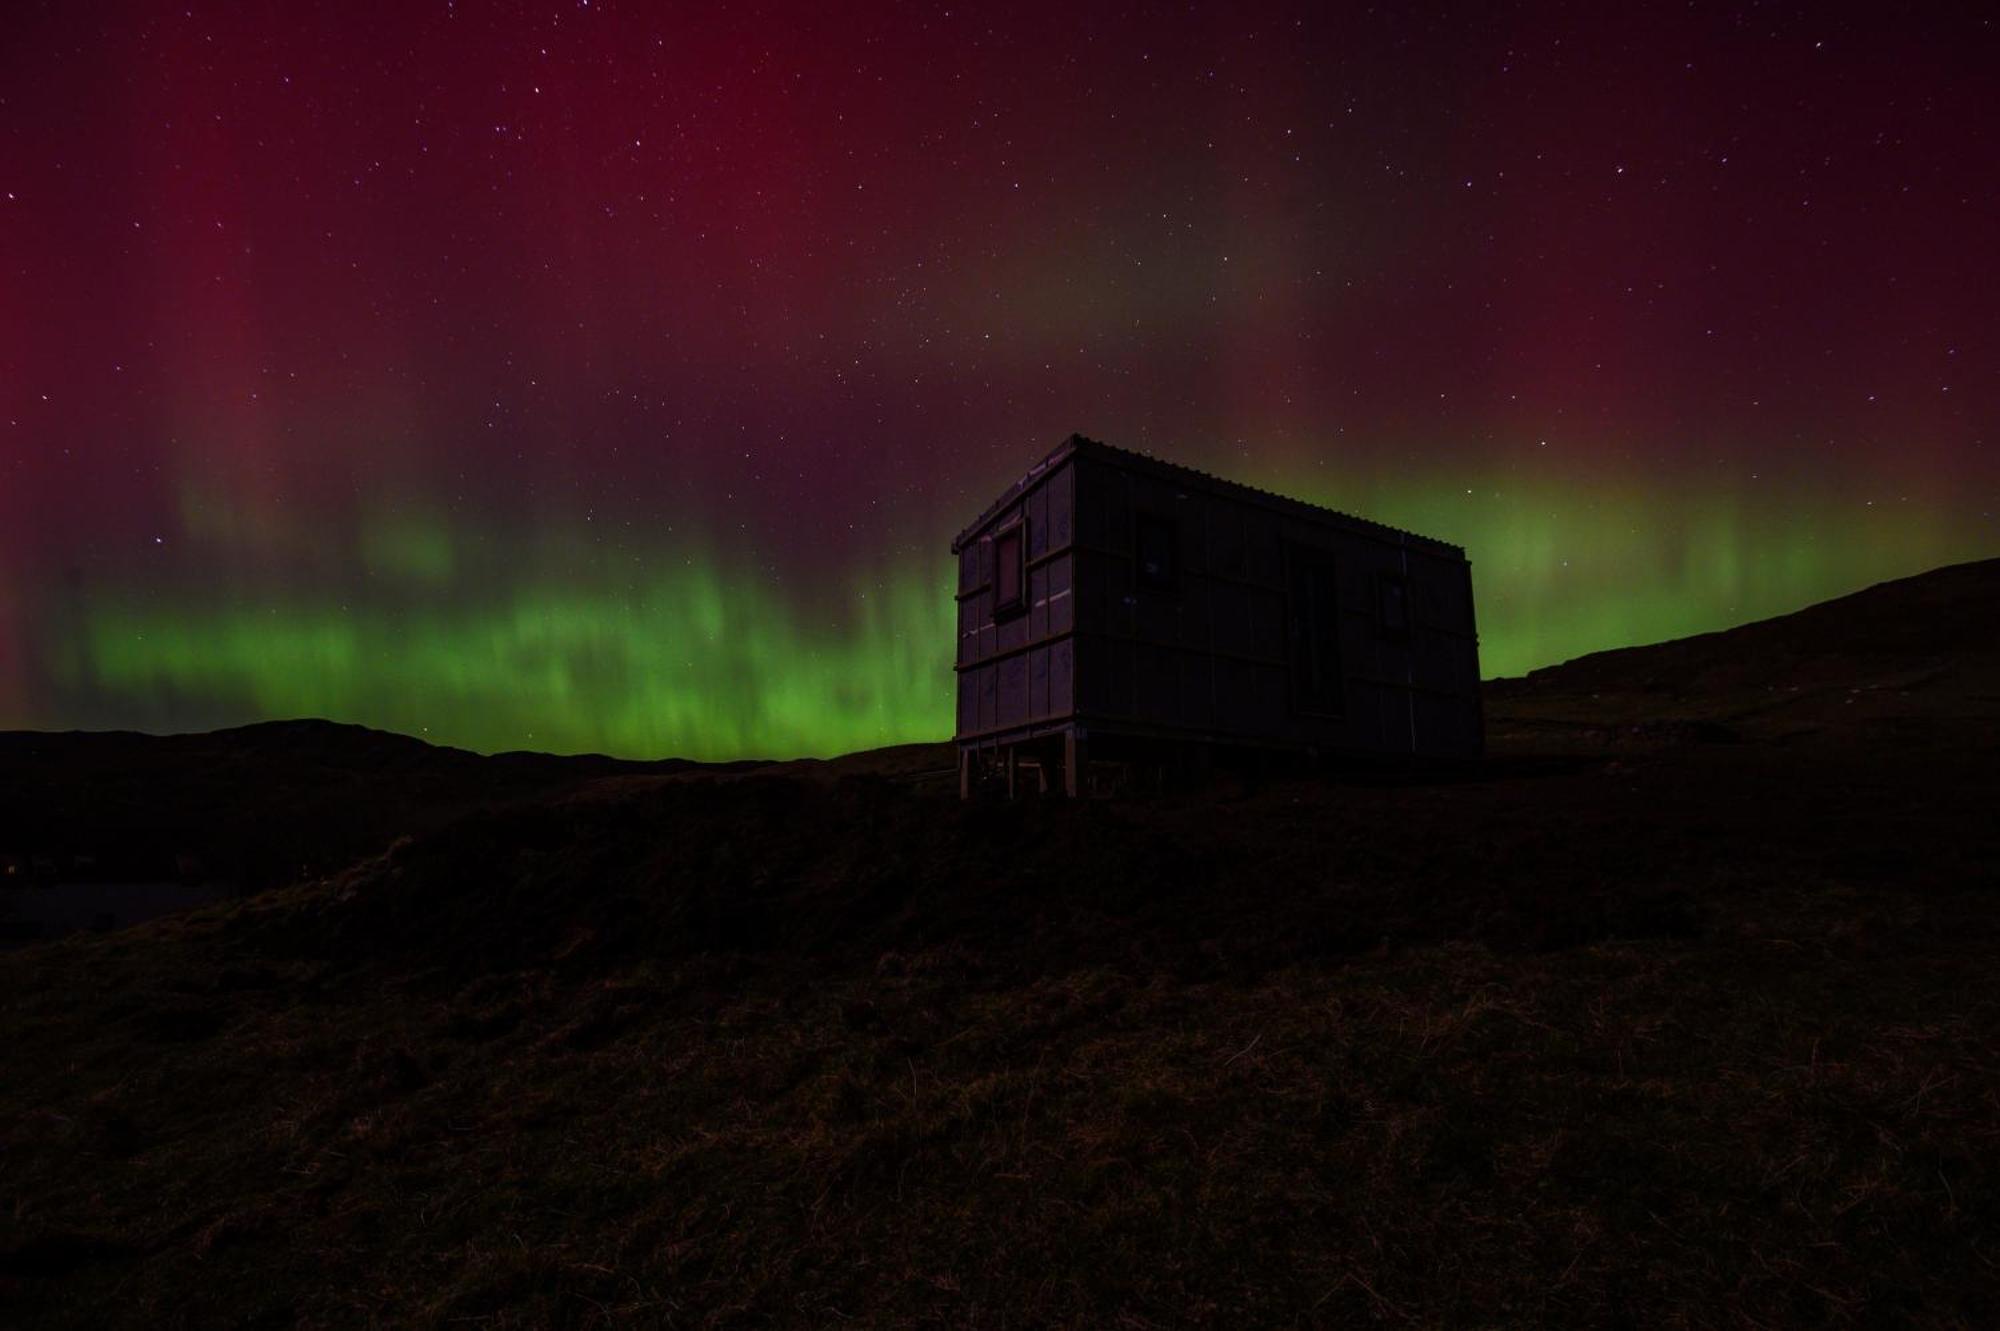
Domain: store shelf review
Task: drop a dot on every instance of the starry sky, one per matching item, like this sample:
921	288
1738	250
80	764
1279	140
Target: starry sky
613	376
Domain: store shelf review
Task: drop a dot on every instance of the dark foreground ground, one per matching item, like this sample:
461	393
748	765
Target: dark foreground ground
1681	1011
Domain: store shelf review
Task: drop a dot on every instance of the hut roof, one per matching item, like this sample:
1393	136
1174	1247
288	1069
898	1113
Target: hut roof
1078	444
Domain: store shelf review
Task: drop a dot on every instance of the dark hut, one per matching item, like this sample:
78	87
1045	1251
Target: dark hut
1114	609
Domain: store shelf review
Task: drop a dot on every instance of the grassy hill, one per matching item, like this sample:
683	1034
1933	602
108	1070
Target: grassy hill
1925	648
1678	1011
259	805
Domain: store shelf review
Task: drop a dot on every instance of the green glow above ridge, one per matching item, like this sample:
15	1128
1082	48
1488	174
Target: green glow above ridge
1561	570
692	663
415	546
552	640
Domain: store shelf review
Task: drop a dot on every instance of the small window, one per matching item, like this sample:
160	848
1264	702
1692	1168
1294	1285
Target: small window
1010	571
1393	604
1153	559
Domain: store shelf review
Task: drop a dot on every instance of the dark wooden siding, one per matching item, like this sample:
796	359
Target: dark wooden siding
1214	648
1017	672
1214	653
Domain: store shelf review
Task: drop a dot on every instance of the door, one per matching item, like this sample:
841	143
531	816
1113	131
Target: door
1313	630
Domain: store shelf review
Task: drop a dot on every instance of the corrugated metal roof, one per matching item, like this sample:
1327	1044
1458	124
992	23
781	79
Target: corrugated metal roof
1077	443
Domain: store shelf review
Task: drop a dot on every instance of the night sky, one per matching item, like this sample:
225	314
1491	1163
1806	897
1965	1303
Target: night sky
614	376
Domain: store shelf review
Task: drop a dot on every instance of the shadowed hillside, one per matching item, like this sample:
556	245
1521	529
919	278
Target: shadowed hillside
1926	647
1677	1011
256	805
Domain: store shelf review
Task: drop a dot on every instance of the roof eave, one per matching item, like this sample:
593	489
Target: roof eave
1077	443
1014	491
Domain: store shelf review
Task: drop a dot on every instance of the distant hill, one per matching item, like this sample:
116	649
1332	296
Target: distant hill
1920	647
258	804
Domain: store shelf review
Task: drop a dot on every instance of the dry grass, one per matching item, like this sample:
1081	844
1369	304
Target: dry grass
1685	1035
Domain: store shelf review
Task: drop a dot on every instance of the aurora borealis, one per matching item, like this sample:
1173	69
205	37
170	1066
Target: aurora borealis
613	377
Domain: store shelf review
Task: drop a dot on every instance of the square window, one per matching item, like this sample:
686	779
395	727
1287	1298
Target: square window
1010	571
1153	557
1393	597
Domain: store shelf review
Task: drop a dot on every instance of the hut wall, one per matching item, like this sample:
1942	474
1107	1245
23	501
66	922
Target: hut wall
1220	643
1016	670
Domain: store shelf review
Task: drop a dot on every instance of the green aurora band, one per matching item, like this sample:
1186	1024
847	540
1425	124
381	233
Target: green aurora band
693	663
699	657
1562	569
